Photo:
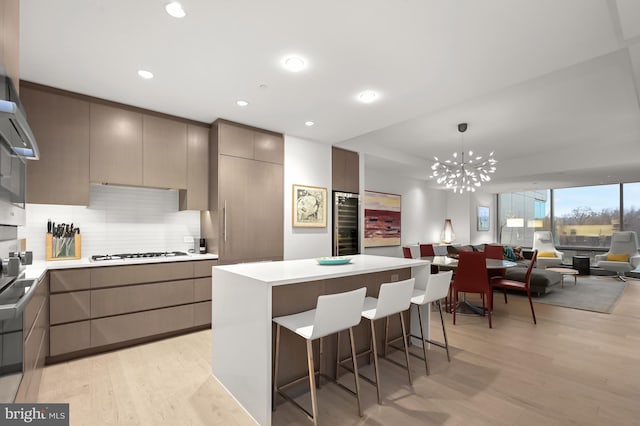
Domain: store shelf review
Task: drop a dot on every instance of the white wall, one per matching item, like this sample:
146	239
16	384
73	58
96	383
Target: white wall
489	200
423	209
462	209
118	220
306	163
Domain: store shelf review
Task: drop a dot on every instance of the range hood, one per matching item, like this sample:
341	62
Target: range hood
14	129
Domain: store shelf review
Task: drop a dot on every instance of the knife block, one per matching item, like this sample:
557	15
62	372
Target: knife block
66	248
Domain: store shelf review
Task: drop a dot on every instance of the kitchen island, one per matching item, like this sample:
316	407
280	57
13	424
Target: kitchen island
248	296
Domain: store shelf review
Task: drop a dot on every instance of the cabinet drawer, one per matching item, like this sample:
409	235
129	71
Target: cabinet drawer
69	337
202	268
36	303
202	289
68	307
202	313
122	275
115	301
69	280
121	328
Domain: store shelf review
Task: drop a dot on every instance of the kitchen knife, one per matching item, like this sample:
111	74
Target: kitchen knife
49	228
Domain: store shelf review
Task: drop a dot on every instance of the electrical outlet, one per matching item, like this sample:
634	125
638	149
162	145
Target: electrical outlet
394	277
188	239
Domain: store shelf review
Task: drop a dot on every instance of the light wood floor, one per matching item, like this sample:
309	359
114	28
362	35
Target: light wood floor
574	367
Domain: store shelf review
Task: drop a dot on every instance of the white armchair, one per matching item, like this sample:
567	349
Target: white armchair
543	242
623	255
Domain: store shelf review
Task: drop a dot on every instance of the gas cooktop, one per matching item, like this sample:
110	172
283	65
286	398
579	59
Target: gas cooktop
100	257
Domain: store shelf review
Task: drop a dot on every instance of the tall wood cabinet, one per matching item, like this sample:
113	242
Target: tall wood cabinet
246	191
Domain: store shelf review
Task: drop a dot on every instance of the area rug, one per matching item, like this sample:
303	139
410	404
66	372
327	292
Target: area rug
597	294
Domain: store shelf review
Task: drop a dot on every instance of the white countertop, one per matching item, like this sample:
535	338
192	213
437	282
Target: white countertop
295	271
38	268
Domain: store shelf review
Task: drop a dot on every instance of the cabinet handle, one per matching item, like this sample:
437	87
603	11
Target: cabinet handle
224	220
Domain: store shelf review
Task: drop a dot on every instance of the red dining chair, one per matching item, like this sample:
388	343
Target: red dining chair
471	277
504	284
427	250
406	251
494	251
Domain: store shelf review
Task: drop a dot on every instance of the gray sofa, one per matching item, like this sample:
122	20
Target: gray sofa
541	279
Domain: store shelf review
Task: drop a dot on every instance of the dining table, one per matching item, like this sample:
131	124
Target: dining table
445	262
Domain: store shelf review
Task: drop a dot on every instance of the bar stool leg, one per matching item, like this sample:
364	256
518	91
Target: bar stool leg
312	382
375	359
355	369
386	336
444	331
275	370
424	345
406	345
337	354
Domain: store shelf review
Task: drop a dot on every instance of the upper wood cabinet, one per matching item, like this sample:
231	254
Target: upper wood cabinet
116	145
10	39
196	197
84	140
237	140
345	170
61	127
164	148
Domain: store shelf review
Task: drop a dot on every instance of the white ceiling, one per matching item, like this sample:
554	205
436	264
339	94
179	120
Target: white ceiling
551	86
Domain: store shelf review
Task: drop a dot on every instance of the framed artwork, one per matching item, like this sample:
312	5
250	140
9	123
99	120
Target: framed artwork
483	218
381	219
309	206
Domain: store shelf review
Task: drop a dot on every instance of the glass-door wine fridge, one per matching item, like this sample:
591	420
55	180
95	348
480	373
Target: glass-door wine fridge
346	238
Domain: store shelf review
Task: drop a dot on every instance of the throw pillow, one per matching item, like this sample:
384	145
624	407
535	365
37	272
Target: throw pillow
546	254
624	257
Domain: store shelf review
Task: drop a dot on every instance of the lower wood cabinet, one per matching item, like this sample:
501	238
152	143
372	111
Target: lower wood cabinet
116	329
70	337
202	313
122	300
126	303
35	320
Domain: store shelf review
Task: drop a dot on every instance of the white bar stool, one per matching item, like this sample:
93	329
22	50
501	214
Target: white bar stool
437	288
333	313
393	298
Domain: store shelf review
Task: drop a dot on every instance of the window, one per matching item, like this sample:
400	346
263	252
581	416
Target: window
631	203
522	213
586	216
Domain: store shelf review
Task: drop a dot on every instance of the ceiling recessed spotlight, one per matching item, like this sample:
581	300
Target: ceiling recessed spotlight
367	96
309	123
145	74
242	103
175	9
294	63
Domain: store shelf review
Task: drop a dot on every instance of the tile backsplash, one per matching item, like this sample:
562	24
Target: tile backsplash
118	220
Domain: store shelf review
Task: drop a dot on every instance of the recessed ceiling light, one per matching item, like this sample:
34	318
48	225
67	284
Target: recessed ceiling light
242	103
309	123
367	96
145	74
294	63
175	9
